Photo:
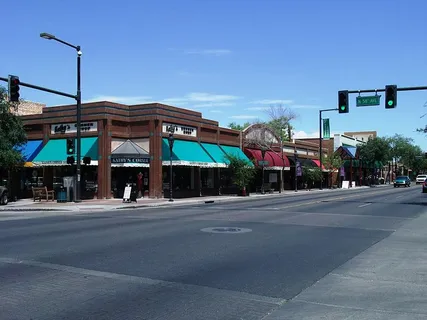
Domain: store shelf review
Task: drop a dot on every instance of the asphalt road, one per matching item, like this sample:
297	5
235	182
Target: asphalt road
161	263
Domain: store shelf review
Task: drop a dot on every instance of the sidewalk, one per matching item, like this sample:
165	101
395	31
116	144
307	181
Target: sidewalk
386	282
117	204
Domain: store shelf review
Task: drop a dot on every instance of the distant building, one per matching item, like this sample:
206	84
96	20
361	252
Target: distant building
26	108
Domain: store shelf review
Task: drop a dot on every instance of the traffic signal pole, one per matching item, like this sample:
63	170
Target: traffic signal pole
383	90
32	86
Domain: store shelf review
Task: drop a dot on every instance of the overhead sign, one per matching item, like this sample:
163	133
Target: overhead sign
129	160
63	128
368	101
180	129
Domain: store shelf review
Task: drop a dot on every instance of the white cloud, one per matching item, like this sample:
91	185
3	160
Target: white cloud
273	101
243	117
210	52
214	104
124	100
203	100
258	108
303	134
304	106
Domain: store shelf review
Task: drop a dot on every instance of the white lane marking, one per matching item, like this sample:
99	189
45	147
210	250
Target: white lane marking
145	281
364	205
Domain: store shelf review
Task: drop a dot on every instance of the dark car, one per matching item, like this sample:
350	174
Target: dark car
402	181
4	196
425	186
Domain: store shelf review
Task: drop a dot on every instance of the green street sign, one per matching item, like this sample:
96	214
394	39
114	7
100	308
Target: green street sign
368	101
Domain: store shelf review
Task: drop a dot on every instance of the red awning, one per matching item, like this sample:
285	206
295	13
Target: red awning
317	162
274	159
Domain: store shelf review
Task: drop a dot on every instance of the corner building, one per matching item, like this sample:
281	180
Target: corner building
130	144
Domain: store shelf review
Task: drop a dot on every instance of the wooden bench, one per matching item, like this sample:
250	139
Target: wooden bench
40	193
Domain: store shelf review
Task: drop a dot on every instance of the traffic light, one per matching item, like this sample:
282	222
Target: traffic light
70	146
343	101
390	96
70	160
13	86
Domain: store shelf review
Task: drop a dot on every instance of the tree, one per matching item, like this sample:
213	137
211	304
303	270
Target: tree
280	121
332	163
375	149
242	171
12	133
311	175
406	153
240	127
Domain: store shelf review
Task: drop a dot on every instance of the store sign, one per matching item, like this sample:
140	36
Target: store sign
130	160
179	129
72	127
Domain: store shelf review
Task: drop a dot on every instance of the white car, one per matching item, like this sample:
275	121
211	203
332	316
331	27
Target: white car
420	178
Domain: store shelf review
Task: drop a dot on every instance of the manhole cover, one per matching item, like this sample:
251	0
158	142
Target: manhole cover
226	230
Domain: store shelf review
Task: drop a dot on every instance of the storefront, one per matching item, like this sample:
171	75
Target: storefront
128	144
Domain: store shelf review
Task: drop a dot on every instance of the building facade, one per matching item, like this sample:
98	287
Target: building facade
128	144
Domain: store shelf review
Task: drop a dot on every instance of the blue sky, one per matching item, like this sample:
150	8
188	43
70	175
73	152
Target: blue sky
229	59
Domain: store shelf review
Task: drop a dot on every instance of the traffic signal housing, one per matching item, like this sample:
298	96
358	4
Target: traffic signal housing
390	96
70	146
13	86
343	101
70	160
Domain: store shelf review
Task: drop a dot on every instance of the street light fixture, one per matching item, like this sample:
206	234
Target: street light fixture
49	36
171	139
263	150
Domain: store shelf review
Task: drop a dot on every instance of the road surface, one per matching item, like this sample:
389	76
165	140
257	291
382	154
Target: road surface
177	262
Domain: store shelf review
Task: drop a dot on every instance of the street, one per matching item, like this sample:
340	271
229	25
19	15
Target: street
246	259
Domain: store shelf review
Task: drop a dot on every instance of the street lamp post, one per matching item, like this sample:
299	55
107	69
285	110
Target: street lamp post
79	108
263	150
296	170
320	144
171	140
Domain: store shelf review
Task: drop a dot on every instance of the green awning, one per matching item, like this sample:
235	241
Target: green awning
237	152
186	153
54	153
216	153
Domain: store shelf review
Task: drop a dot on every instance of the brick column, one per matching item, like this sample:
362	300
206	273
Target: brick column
155	173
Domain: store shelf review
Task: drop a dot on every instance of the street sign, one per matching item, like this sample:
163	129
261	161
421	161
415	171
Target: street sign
263	163
368	101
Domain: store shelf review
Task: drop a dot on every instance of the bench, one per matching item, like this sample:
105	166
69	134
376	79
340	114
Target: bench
40	193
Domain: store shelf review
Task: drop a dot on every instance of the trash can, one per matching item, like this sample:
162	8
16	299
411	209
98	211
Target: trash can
61	194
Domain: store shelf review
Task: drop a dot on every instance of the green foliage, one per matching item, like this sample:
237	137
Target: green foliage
332	162
243	171
311	175
240	127
12	133
375	149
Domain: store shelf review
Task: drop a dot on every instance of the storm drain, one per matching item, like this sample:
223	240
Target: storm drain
226	230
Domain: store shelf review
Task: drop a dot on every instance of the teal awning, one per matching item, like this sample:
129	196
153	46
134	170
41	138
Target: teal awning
216	153
236	151
54	153
186	153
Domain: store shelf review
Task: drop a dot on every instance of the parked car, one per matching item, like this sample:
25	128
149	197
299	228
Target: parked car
425	186
4	195
402	181
420	178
